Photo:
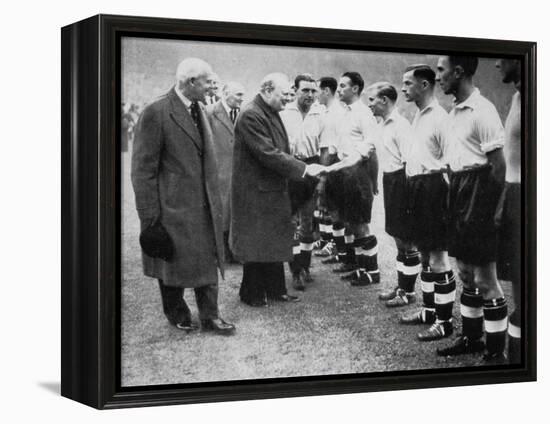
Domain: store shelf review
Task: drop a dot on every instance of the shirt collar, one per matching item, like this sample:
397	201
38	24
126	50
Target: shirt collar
355	105
226	106
184	99
392	116
432	105
313	110
471	102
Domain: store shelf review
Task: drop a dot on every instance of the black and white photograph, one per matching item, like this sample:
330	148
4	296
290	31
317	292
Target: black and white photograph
303	212
289	212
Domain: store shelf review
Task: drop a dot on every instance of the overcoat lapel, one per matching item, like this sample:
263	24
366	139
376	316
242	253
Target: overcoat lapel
221	115
182	118
276	121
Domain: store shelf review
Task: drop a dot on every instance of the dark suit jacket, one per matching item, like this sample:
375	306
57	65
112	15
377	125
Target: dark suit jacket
261	225
223	132
174	174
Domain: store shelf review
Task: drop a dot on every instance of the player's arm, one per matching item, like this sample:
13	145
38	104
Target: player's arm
498	164
491	135
373	171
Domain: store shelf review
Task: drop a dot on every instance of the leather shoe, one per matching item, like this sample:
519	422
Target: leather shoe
331	260
344	268
461	346
326	251
422	316
186	326
362	278
389	294
498	358
438	330
218	326
401	298
286	298
255	303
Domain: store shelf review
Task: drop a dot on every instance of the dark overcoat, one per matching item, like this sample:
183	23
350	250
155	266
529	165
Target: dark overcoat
223	133
261	222
174	174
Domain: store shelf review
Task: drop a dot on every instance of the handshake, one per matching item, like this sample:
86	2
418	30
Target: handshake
315	170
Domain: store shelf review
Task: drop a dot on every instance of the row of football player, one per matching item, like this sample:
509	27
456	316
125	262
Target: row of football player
446	188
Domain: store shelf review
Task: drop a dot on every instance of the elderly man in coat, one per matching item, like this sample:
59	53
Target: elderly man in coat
177	198
222	117
261	232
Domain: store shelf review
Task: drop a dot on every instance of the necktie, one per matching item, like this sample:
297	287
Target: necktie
195	114
233	115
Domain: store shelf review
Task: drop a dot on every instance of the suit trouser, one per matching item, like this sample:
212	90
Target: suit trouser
176	309
262	280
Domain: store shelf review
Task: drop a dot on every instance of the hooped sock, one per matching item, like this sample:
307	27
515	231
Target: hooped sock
495	313
471	310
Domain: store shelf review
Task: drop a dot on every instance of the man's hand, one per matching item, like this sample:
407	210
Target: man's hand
375	188
314	170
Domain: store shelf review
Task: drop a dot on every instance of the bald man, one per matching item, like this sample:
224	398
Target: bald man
261	233
177	199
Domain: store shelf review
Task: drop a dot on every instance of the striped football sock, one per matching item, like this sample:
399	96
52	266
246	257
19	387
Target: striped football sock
295	265
399	266
328	227
316	220
427	283
444	295
495	313
410	270
514	338
349	239
306	247
370	251
471	310
338	231
325	229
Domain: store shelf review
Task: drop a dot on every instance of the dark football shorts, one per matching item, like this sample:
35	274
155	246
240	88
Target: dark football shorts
395	204
508	222
428	211
473	198
301	192
349	192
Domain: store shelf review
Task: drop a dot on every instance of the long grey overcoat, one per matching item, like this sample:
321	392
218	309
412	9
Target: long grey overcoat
223	133
261	222
174	174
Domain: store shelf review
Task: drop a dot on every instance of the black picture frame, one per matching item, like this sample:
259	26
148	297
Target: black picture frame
91	210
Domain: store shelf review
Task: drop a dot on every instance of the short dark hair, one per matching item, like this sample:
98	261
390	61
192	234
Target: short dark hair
329	82
385	89
302	77
422	72
356	79
468	63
